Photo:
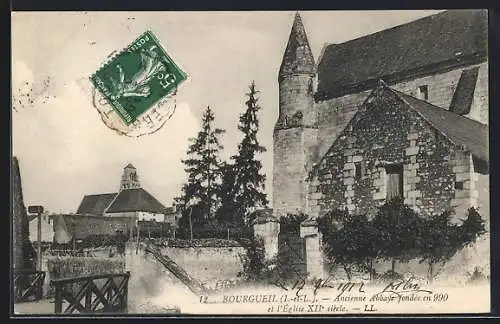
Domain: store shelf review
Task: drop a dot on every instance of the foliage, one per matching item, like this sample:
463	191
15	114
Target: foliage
210	242
353	244
254	263
389	276
476	276
399	228
441	239
472	227
243	185
291	221
395	233
203	167
228	212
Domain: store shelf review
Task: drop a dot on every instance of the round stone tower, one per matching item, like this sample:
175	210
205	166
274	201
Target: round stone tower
295	132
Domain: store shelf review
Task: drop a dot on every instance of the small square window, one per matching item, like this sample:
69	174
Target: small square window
423	92
459	185
357	174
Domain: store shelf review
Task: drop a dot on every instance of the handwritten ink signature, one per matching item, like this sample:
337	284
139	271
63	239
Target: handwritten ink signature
321	283
298	285
402	287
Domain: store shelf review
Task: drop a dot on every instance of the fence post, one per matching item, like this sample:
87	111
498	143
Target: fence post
58	299
125	293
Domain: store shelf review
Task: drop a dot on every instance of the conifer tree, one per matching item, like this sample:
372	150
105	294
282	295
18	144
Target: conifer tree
246	179
203	167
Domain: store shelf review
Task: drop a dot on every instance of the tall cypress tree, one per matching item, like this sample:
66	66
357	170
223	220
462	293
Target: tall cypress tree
246	177
203	167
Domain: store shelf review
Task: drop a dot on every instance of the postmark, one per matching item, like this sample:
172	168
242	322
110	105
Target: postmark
135	80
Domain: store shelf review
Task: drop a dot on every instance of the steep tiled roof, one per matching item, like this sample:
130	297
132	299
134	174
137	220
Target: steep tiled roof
445	38
136	199
460	130
95	204
298	57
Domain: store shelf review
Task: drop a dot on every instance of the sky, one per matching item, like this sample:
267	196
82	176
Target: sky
64	149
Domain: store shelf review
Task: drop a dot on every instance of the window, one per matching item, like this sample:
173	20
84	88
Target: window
459	185
423	92
310	87
360	170
357	174
394	180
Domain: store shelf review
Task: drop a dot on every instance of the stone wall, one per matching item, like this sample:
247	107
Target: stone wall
59	267
296	95
268	231
483	200
208	265
352	175
292	156
334	114
47	229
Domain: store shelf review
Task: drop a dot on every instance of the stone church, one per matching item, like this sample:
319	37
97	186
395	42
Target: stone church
130	201
401	112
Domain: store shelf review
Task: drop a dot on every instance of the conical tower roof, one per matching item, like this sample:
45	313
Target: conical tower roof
298	57
130	166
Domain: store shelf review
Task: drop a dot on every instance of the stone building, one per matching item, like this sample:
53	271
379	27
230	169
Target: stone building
131	201
401	112
47	227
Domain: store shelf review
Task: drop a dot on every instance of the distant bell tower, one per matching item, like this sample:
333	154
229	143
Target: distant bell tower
295	132
130	179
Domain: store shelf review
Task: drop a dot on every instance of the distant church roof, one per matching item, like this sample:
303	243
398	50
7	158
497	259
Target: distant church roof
137	199
95	204
446	38
298	57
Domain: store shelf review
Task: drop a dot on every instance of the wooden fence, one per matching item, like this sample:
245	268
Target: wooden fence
28	284
106	293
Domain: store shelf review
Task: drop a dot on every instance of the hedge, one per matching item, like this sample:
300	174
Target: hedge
213	242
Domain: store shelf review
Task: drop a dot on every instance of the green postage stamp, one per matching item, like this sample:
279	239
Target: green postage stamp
138	77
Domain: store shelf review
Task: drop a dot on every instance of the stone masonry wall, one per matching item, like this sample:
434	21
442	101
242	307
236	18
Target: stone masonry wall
388	132
334	114
296	95
268	232
208	265
292	155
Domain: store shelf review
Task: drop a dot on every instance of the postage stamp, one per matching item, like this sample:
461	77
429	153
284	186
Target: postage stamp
137	78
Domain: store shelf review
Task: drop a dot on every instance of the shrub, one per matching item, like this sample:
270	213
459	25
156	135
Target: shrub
254	263
389	276
198	243
476	276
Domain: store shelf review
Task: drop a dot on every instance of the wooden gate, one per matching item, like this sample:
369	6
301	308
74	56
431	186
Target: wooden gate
100	294
28	284
292	249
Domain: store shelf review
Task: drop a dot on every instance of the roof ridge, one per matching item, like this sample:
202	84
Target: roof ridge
437	107
112	201
101	194
449	116
393	27
398	95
